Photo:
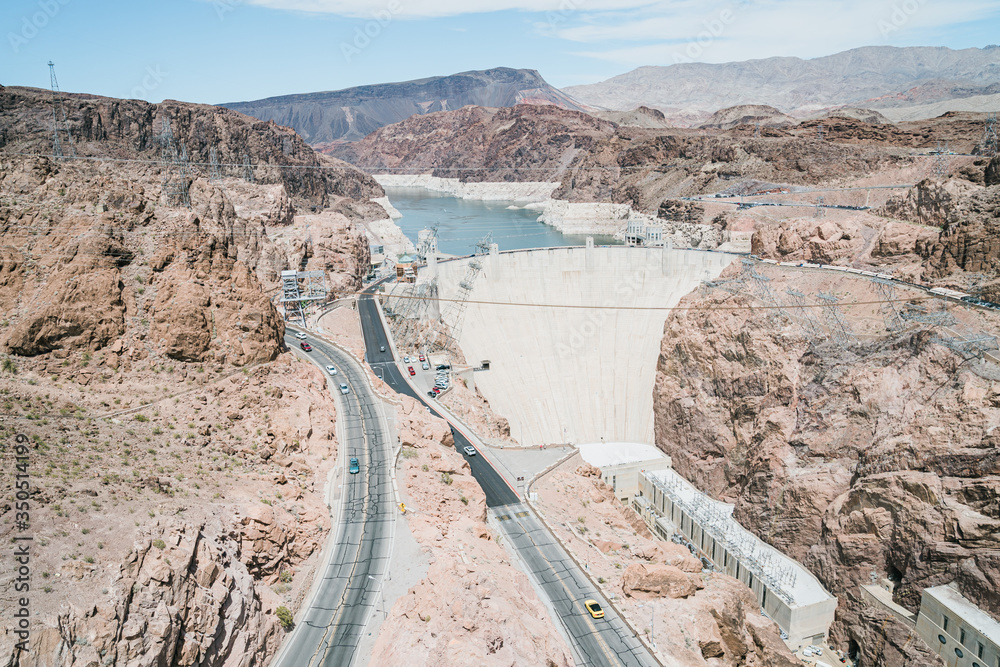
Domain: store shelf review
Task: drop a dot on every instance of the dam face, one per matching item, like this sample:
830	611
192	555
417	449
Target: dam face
571	374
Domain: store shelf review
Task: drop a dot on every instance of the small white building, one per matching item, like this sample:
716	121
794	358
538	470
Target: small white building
641	232
962	634
621	462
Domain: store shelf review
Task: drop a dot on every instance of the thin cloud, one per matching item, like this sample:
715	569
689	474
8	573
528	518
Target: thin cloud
726	31
440	8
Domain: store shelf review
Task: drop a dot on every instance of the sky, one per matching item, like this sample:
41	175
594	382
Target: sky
216	51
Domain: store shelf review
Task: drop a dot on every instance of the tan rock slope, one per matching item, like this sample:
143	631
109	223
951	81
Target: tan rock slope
695	618
474	607
881	458
178	456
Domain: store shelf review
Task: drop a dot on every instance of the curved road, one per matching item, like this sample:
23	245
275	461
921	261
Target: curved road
603	642
331	628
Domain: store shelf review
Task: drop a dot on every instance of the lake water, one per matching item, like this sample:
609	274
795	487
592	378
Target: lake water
461	222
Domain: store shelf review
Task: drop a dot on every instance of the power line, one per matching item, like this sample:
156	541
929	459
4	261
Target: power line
648	308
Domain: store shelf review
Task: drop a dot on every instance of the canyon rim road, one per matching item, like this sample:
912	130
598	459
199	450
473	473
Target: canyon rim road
328	632
605	642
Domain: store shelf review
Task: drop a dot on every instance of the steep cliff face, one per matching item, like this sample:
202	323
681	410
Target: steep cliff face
144	359
473	144
881	458
126	129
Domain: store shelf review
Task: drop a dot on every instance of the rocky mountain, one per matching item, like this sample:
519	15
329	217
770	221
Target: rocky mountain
353	113
154	315
748	114
876	456
875	77
520	143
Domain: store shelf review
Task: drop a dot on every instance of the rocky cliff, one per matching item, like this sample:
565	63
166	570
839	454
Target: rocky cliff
875	459
329	118
178	455
114	129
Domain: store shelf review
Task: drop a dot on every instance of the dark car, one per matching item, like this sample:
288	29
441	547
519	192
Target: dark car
306	346
355	468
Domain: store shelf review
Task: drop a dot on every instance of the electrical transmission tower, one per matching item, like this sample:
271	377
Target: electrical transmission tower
295	296
760	286
938	318
988	145
174	167
248	175
819	131
941	161
60	121
214	173
836	323
820	208
804	314
887	293
756	130
483	245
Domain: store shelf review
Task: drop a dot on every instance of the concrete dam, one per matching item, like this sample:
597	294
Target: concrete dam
578	363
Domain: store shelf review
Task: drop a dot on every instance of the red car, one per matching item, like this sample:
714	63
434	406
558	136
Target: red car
410	368
306	346
436	390
422	358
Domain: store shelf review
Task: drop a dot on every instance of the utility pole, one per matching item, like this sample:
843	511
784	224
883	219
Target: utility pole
60	121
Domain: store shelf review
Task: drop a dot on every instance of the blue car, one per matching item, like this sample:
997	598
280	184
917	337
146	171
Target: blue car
355	468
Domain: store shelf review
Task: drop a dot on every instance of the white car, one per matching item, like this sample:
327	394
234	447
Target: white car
470	451
344	389
425	366
300	335
332	370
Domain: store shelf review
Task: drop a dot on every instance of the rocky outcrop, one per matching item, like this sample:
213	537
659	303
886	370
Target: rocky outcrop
851	461
929	202
108	127
182	598
969	241
460	613
662	580
473	144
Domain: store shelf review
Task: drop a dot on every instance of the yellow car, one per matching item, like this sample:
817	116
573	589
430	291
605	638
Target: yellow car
594	608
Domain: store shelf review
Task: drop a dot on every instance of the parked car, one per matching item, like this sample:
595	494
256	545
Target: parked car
423	358
332	370
344	389
306	346
355	467
410	368
432	393
470	451
425	366
435	390
594	609
300	335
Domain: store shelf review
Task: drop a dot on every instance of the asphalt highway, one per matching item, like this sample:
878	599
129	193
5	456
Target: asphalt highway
598	642
329	632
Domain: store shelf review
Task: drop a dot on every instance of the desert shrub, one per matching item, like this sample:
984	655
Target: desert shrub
285	617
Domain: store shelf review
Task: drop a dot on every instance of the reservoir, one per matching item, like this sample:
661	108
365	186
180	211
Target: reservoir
461	223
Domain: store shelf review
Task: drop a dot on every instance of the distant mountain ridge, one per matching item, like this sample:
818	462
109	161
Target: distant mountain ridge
874	77
353	113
